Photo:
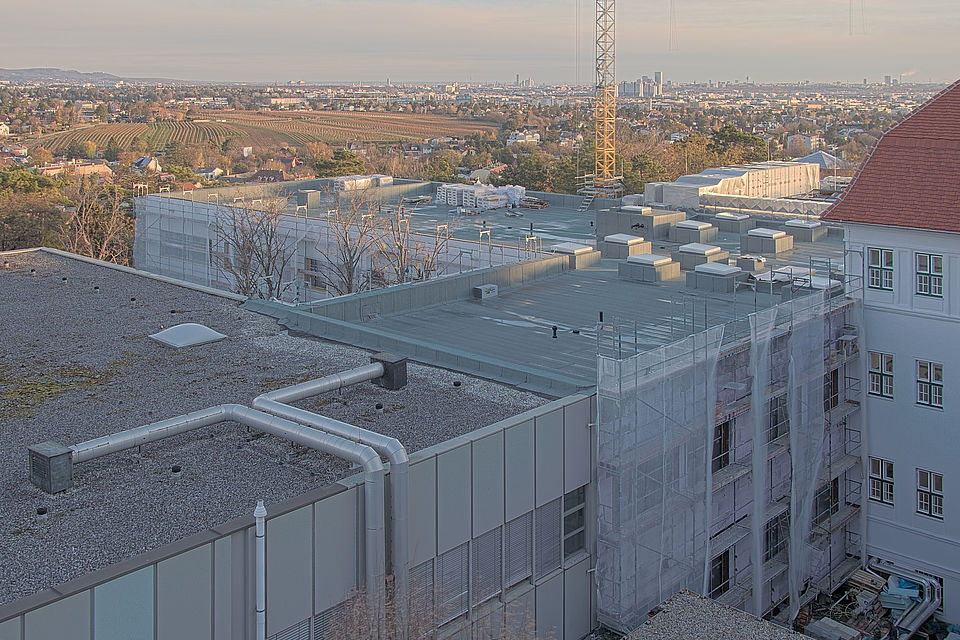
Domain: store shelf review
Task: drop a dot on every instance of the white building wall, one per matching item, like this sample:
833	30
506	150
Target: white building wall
914	327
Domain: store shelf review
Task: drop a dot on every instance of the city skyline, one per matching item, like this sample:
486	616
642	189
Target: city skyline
430	41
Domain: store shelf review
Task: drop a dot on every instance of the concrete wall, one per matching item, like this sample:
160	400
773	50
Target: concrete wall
411	296
465	493
342	320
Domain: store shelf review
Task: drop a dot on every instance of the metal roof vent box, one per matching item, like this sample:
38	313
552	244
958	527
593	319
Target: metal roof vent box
189	334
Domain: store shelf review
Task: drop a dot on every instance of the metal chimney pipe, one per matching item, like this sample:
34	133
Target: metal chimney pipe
275	402
260	513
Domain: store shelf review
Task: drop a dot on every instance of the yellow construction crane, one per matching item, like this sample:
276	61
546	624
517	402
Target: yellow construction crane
604	182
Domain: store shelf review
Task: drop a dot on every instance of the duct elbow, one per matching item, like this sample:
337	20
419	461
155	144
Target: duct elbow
395	452
370	460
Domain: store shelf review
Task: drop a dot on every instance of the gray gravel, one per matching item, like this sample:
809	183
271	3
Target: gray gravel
76	363
691	616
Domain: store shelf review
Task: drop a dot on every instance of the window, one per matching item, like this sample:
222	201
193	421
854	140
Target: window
421	595
930	384
574	521
720	574
881	374
721	446
548	549
831	389
775	535
930	493
881	269
452	583
779	421
826	502
881	480
930	275
486	565
518	549
313	274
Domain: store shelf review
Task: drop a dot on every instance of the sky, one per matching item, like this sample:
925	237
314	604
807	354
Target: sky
484	40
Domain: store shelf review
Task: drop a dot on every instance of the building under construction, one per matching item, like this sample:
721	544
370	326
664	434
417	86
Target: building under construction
729	462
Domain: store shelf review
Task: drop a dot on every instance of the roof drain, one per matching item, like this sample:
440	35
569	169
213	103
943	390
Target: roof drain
914	617
389	371
373	497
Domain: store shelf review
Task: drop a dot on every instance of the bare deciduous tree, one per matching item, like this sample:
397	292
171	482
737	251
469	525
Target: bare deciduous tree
98	225
412	256
254	248
352	234
355	620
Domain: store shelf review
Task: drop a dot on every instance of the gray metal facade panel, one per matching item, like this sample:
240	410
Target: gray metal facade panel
453	498
577	590
519	614
487	483
422	519
124	607
223	589
519	469
338	545
10	630
576	444
550	609
289	569
184	592
67	618
549	456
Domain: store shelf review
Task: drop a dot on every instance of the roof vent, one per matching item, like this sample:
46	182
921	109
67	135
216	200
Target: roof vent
189	334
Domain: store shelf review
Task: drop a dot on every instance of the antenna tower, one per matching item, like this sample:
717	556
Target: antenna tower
605	182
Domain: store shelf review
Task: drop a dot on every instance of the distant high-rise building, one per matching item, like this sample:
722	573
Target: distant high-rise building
658	79
518	79
887	80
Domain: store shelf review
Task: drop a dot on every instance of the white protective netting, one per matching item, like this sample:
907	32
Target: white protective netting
656	421
787	359
657	413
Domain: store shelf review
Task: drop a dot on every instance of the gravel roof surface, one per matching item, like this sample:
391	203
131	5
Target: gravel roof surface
76	363
691	616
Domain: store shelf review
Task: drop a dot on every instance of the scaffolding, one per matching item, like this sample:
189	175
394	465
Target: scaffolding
790	524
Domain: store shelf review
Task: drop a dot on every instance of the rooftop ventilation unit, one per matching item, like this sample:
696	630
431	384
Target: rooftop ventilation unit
189	334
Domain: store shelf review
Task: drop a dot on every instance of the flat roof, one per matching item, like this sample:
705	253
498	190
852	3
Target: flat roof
517	325
691	616
78	363
558	223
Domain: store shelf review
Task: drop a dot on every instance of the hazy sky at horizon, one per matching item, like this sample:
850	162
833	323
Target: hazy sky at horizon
491	40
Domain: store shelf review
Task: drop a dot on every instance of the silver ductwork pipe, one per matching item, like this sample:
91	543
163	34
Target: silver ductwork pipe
373	482
914	617
276	402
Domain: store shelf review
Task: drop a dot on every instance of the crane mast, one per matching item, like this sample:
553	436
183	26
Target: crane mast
604	182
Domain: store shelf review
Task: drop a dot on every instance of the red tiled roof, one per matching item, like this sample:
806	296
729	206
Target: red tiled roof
911	178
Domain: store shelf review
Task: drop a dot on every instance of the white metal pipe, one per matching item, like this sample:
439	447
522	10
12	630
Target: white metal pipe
373	483
275	402
913	618
260	513
399	491
332	382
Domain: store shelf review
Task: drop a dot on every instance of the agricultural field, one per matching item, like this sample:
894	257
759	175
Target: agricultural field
272	130
155	135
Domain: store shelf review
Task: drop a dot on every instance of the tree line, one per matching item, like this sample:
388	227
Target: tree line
79	214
